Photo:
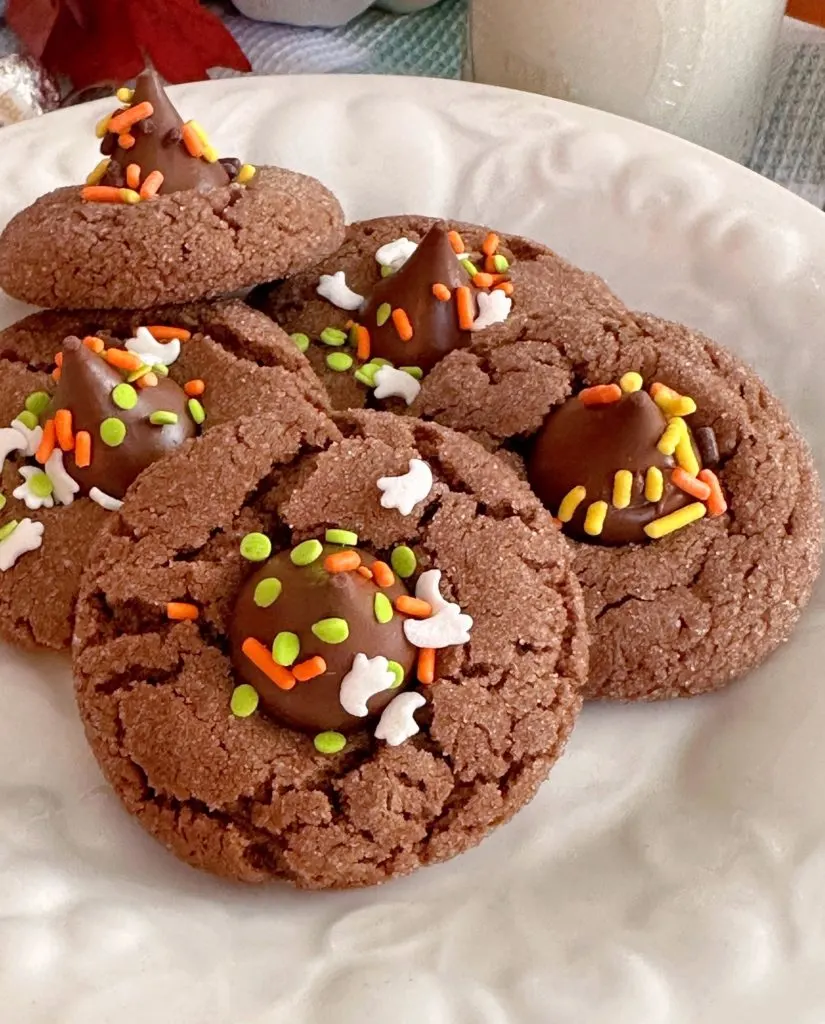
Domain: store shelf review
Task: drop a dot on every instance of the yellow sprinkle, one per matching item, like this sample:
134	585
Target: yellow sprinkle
654	484
686	457
630	382
594	520
570	502
672	403
102	126
96	175
125	94
245	174
675	521
622	488
674	432
129	196
198	129
210	154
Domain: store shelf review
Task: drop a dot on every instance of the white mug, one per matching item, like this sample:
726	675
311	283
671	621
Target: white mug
697	68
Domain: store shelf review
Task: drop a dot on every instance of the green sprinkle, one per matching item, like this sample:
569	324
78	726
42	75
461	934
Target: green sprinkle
244	700
501	263
124	396
346	537
367	379
470	267
196	410
256	547
286	648
332	336
40	485
397	671
8	529
37	403
301	341
403	561
383	313
413	371
383	608
387	271
331	631
330	742
267	592
112	431
379	362
28	419
160	370
306	553
339	361
163	418
2	502
141	371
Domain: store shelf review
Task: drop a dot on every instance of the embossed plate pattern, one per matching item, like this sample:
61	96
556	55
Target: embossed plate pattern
673	870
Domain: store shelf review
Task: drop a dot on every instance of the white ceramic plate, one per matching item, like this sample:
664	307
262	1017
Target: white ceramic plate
673	869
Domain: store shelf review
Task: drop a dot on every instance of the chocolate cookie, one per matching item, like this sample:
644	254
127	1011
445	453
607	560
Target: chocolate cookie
691	499
383	297
380	658
163	219
71	446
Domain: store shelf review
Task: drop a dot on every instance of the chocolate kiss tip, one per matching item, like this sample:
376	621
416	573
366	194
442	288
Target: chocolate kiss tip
72	344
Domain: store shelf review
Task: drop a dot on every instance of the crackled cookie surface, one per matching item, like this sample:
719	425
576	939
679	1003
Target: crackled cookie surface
164	219
129	389
356	649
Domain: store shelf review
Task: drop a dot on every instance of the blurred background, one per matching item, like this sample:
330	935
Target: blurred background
743	77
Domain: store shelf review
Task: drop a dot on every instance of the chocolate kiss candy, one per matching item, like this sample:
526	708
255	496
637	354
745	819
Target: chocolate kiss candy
586	445
155	150
85	389
434	323
309	594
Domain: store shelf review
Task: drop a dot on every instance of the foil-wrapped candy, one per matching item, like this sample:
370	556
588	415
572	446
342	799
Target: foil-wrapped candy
26	90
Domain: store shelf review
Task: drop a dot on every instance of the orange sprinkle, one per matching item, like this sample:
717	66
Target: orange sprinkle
557	523
309	669
192	141
505	286
263	660
148	380
426	666
402	324
465	307
482	280
382	574
123	360
58	359
413	606
456	241
349	324
181	611
168	333
600	394
689	484
82	449
123	122
47	442
490	244
499	278
442	292
56	374
101	194
362	342
151	186
63	429
194	388
133	176
717	505
126	140
95	344
342	561
362	570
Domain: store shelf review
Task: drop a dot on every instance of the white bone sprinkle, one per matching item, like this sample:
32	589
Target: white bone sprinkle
334	288
367	677
26	536
105	500
397	722
151	351
392	383
493	308
404	492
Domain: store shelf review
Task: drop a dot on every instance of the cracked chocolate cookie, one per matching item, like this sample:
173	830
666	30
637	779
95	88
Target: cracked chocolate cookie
87	402
353	650
401	293
163	219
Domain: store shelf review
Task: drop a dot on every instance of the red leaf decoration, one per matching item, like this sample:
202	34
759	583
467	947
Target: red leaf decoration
100	42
